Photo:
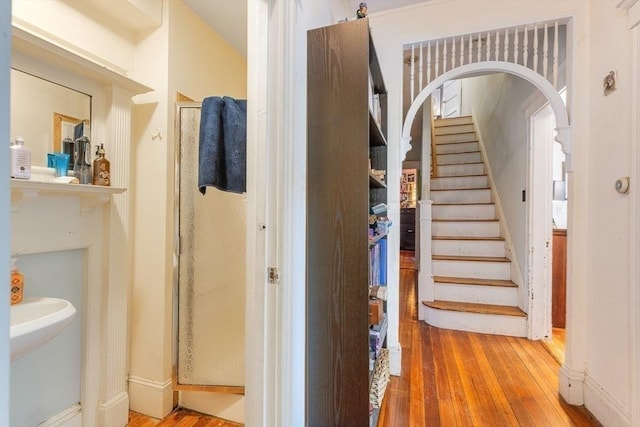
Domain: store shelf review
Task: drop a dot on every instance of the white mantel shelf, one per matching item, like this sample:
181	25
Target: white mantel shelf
90	195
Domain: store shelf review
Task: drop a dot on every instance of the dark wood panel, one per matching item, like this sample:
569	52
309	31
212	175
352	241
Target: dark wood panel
337	208
559	279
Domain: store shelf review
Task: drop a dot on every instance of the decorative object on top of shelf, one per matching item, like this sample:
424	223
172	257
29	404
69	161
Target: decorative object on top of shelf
362	10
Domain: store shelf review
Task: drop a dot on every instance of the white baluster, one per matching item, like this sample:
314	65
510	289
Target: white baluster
412	78
470	50
479	50
453	54
535	48
437	64
555	56
428	63
461	50
420	87
497	46
525	47
444	57
488	53
506	45
516	47
545	51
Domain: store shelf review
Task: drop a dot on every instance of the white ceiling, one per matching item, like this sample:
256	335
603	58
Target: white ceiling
229	17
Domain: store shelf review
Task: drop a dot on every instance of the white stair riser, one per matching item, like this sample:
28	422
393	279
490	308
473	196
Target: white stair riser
464	147
456	170
472	269
474	322
492	248
457	158
455	138
498	295
461	196
449	130
454	121
448	182
454	211
466	229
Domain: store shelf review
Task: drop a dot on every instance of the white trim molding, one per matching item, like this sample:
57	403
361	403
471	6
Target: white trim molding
70	417
426	285
150	397
608	410
571	385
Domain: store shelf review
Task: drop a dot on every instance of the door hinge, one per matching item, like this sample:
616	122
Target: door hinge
274	276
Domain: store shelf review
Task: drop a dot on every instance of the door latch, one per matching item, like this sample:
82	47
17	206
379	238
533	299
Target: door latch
274	276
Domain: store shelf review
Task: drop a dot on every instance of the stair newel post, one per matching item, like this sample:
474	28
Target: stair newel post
426	286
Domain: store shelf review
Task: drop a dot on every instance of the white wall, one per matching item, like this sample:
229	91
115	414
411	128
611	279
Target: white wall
598	250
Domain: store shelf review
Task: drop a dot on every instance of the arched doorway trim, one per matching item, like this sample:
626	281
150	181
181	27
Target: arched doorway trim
559	109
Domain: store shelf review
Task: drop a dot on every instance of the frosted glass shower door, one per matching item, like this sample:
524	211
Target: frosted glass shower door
210	271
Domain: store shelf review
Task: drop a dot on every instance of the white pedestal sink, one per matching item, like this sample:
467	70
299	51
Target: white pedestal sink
35	321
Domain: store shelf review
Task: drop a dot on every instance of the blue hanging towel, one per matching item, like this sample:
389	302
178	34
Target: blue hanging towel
223	144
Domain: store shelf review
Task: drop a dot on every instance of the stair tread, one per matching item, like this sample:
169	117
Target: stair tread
441	121
469	258
467	163
469	307
467	238
460	176
461	189
456	143
464	220
458	152
465	203
475	281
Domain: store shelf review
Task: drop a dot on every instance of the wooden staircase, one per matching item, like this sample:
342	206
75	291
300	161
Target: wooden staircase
472	274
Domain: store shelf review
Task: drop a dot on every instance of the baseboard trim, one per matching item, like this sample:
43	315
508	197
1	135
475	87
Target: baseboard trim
115	412
70	417
571	385
149	397
606	408
395	360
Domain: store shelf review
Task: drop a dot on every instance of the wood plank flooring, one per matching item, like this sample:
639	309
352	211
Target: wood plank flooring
453	378
179	418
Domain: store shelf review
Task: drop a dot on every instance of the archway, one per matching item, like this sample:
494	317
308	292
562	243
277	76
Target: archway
539	215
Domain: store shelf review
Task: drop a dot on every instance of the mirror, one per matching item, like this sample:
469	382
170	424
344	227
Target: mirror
44	113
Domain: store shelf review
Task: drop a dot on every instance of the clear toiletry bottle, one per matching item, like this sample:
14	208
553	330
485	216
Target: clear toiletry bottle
20	159
101	168
17	283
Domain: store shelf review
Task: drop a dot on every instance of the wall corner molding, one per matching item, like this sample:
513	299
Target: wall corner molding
608	410
571	385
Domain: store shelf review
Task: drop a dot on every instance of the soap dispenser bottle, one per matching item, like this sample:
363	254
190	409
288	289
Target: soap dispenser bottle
101	168
17	283
20	159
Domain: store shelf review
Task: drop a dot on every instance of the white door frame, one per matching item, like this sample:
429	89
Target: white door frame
5	219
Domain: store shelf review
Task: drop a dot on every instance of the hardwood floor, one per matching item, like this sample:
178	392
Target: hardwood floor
453	378
179	418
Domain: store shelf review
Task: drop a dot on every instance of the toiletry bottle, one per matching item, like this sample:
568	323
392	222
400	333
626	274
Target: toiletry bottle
20	160
17	283
101	168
